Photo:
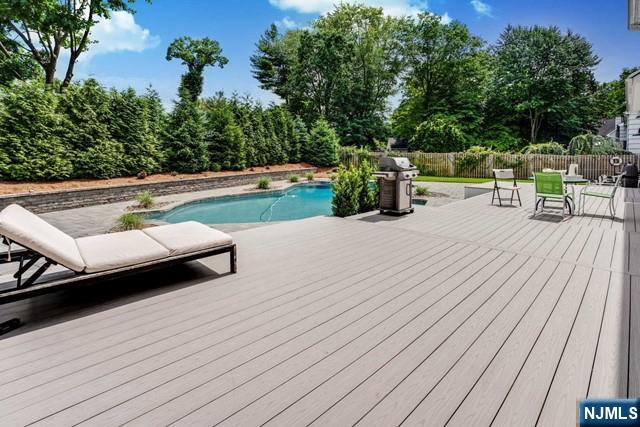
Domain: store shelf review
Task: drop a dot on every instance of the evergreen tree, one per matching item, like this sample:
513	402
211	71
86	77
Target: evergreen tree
86	113
184	140
155	119
299	141
85	110
274	150
31	147
224	138
259	137
243	118
283	131
129	127
323	145
102	160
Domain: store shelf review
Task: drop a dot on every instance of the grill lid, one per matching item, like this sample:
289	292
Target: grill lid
395	164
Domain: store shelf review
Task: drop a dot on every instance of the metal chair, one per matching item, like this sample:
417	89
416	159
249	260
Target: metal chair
603	192
504	174
550	186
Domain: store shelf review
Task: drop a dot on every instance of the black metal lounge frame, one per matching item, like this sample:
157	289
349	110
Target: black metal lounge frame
29	288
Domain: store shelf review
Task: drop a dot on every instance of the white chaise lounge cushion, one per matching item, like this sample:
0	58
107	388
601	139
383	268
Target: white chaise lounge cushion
188	237
110	251
29	230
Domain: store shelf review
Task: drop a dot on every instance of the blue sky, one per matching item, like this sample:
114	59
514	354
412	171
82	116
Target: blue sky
131	49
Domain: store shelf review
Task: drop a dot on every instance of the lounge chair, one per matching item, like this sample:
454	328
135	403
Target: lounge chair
103	257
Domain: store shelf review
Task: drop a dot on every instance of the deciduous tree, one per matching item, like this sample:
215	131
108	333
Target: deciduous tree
447	71
43	28
540	72
196	54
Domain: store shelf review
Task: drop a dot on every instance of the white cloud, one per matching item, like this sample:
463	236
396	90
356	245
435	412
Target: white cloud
287	23
391	7
119	33
446	19
481	8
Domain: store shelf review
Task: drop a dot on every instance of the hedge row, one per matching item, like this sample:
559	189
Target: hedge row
90	132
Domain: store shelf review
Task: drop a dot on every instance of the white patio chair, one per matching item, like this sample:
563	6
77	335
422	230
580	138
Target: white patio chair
504	174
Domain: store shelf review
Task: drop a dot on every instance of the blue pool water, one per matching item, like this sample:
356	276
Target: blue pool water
297	202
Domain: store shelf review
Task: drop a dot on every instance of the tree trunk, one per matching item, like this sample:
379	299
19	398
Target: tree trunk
69	74
535	118
49	73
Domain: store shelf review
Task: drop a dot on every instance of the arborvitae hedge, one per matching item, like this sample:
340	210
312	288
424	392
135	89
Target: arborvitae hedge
31	145
90	132
224	138
185	147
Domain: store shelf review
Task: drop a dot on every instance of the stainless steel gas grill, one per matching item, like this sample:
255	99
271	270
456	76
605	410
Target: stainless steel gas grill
394	179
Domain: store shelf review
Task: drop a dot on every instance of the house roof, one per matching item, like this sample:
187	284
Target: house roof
608	126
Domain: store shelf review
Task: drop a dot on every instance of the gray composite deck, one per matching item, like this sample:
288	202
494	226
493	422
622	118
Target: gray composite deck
467	314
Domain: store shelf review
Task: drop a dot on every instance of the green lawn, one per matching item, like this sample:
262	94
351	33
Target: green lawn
458	179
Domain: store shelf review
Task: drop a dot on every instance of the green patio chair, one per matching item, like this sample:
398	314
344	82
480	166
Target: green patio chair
603	192
549	186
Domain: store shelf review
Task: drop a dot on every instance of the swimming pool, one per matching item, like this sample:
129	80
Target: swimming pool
297	202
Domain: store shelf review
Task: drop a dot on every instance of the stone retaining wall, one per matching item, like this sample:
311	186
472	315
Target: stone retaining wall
75	198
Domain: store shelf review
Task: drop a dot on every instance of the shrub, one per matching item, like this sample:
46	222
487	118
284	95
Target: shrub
293	178
594	144
322	149
421	191
352	190
550	147
310	176
102	161
145	200
346	190
501	138
425	170
130	221
368	195
472	158
439	134
263	183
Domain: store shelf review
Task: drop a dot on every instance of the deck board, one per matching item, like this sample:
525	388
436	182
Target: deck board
463	314
528	392
571	379
609	377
